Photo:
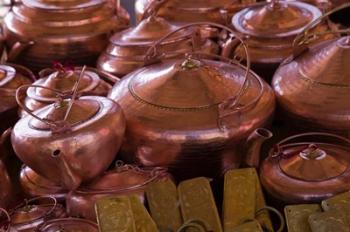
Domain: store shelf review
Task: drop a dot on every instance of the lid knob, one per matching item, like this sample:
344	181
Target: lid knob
313	152
190	63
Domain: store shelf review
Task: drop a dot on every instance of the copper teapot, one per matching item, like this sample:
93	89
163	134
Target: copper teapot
39	32
123	180
63	80
27	216
68	225
71	141
307	168
269	30
11	77
126	51
190	114
313	86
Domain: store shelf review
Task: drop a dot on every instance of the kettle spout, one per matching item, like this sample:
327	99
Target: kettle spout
253	146
69	179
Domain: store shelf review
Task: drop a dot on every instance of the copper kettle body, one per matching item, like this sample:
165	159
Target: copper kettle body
41	32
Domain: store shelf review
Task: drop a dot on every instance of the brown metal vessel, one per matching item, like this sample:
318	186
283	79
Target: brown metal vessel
313	87
307	168
191	114
269	30
68	225
71	141
123	180
11	77
91	84
39	32
27	216
34	185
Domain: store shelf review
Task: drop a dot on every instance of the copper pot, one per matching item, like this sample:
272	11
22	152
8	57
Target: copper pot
126	51
40	32
35	185
91	84
27	216
313	86
307	170
71	141
191	114
11	77
270	29
123	180
68	225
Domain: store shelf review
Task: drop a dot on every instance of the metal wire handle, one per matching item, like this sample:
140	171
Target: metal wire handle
8	226
36	199
280	216
194	223
152	53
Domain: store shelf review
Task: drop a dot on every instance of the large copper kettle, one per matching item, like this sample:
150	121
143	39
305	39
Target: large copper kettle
313	87
307	168
126	51
123	180
11	77
190	114
70	141
63	80
39	32
270	29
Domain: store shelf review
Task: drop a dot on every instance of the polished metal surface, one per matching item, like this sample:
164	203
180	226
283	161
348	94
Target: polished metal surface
68	225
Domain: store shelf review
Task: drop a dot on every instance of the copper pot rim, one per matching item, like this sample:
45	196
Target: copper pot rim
68	219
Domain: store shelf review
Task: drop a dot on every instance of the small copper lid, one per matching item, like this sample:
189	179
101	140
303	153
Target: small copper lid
275	19
68	225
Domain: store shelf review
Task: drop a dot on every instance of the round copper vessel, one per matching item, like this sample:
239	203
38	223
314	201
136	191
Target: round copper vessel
191	114
270	29
64	80
68	225
123	180
126	51
27	216
192	10
307	168
70	141
35	185
11	77
39	32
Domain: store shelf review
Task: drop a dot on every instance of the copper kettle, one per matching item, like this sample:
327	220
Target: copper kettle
70	141
123	180
40	32
63	79
11	77
27	216
307	168
269	29
191	114
313	86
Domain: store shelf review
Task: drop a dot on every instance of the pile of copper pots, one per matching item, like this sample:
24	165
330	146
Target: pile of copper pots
91	107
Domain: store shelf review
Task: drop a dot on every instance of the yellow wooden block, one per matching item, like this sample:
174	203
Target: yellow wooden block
143	221
297	216
341	199
253	226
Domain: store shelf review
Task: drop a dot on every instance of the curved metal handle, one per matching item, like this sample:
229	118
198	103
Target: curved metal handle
194	223
8	226
17	49
49	213
23	70
280	216
152	8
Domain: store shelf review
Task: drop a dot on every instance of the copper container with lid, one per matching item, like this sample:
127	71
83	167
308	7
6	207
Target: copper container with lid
123	180
269	30
11	77
313	86
39	32
71	141
34	185
27	216
68	225
191	114
93	83
307	168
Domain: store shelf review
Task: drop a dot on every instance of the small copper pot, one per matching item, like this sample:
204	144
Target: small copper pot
68	225
123	180
27	216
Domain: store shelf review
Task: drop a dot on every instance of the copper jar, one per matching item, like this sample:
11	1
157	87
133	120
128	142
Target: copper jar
68	225
27	216
71	141
269	30
191	114
11	77
307	168
123	180
91	84
39	32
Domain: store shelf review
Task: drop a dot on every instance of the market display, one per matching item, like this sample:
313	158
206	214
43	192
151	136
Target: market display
172	125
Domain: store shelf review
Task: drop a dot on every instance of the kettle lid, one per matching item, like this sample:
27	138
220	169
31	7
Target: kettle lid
275	19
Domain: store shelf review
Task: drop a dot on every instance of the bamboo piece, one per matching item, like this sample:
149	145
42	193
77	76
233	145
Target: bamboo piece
297	216
143	221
